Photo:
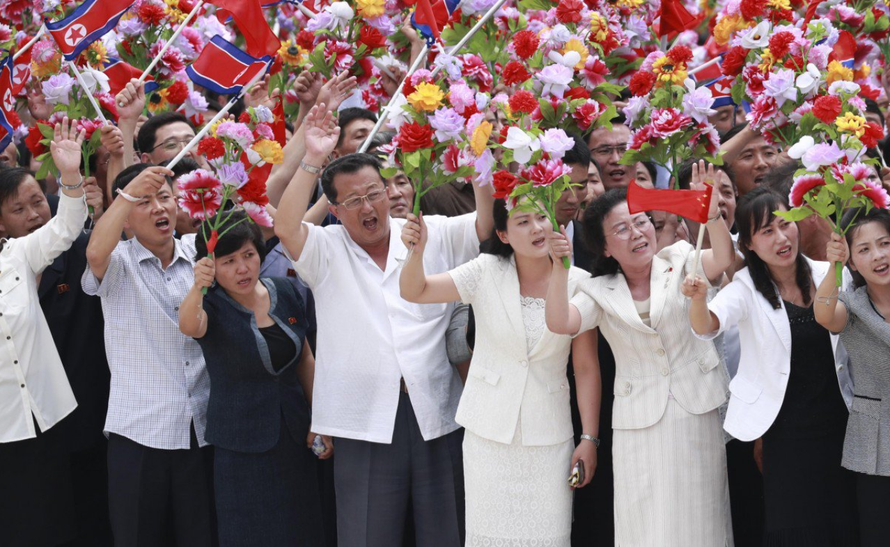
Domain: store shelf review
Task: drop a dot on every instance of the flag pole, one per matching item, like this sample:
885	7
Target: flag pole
306	11
698	246
259	75
468	36
157	59
86	91
384	114
30	43
703	66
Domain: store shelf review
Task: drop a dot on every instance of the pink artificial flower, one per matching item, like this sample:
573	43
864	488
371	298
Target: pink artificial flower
453	159
753	79
594	72
257	213
88	127
476	70
545	172
667	121
873	191
200	194
642	136
172	61
588	113
762	111
710	135
802	186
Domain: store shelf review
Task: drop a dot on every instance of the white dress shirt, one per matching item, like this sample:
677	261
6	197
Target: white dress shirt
159	383
369	337
32	379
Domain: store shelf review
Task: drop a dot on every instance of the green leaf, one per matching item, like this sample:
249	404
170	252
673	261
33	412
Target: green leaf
46	130
388	172
536	5
795	215
547	111
413	159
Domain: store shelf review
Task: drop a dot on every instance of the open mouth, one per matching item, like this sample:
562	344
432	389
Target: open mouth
370	224
759	179
617	173
785	251
882	269
244	282
539	242
35	228
162	224
639	248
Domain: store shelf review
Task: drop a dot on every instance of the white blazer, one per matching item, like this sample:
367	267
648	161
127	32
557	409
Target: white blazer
657	362
758	389
508	380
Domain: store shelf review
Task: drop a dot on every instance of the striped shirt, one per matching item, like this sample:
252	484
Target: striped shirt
159	384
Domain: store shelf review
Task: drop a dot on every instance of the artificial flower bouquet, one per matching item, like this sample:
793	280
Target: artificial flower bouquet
542	176
441	134
669	115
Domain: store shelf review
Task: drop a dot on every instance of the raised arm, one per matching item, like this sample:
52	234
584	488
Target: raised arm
702	319
484	211
107	232
130	104
716	260
192	317
414	284
321	137
830	312
112	138
562	317
588	383
734	146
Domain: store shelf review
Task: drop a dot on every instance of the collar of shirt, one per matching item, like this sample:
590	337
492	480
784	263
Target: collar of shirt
395	255
141	253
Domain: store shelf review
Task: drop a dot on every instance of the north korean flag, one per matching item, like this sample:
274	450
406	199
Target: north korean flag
430	19
89	22
21	72
721	90
225	69
7	101
120	73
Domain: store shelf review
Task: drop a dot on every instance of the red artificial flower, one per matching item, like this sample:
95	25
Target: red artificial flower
13	119
88	127
503	182
32	141
569	11
476	69
641	83
453	159
587	114
5	33
523	101
306	40
754	78
680	54
873	133
177	93
802	186
211	148
777	16
255	189
577	93
869	92
734	61
514	73
244	117
752	9
795	62
827	108
525	44
199	194
545	172
763	110
667	121
642	136
469	111
106	102
413	136
371	38
595	71
150	14
780	44
502	134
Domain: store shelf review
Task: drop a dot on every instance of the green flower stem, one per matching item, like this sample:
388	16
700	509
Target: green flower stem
549	204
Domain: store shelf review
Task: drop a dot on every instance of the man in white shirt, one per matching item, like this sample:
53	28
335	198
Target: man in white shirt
383	384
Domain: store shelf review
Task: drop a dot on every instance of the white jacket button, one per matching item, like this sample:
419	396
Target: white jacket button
665	371
523	363
660	352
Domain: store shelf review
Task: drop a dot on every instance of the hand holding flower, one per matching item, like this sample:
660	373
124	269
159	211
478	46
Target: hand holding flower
205	272
94	196
414	233
836	250
560	246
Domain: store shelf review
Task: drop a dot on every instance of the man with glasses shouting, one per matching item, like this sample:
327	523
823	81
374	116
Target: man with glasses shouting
384	388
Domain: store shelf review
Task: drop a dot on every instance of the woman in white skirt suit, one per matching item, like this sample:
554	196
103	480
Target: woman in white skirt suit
671	486
518	444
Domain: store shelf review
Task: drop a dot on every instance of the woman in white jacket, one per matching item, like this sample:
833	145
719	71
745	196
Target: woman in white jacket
518	446
792	388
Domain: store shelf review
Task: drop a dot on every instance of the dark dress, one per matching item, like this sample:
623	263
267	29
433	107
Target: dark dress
265	478
810	499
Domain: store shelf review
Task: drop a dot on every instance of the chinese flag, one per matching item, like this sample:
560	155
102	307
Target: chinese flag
251	22
675	18
691	204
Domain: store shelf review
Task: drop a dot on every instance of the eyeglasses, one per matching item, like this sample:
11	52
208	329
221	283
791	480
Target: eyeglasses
356	202
624	231
607	151
172	145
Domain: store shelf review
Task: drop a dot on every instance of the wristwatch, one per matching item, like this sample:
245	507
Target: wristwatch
309	168
591	438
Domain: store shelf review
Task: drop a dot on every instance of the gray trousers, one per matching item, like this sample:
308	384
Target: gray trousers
377	483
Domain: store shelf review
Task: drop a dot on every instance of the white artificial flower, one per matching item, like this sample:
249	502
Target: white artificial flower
95	81
797	151
522	144
756	37
809	80
570	59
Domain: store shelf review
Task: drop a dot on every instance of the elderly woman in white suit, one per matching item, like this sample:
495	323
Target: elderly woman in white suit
671	487
793	386
518	445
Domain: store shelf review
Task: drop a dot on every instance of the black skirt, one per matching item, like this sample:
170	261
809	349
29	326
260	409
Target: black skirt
810	500
269	498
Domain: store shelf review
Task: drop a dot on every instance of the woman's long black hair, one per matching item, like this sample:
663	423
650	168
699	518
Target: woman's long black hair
855	219
595	233
754	212
493	245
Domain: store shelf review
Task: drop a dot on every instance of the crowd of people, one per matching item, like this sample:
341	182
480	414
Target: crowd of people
361	376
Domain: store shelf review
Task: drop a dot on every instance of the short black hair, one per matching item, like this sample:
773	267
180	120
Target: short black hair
732	132
145	141
853	220
781	177
579	154
619	119
380	139
349	115
236	230
348	164
872	106
186	165
126	176
595	233
10	180
493	245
